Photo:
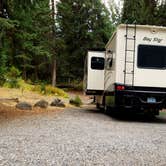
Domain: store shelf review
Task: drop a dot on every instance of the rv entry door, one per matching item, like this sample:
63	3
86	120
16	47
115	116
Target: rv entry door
94	73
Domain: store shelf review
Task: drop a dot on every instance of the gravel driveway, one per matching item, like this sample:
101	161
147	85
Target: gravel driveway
77	137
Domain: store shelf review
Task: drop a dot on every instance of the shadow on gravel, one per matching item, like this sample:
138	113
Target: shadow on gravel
130	116
136	117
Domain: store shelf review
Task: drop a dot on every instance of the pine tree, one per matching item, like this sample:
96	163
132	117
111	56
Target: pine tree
82	25
25	37
144	12
161	14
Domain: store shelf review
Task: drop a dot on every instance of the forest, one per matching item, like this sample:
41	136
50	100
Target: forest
41	42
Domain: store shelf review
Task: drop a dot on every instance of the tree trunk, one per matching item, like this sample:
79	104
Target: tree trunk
24	71
54	51
36	73
54	72
1	8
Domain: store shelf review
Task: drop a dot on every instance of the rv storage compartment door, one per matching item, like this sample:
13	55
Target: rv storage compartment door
95	73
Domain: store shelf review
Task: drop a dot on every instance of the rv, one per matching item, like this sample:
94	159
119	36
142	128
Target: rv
131	72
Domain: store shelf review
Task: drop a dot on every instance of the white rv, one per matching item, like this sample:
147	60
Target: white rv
131	72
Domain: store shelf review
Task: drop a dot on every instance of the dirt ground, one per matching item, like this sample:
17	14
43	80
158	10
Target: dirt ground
31	97
9	111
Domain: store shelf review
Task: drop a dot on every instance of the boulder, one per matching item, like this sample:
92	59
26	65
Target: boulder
57	103
41	104
24	106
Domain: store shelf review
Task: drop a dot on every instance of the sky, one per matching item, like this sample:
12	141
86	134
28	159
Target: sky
118	2
106	2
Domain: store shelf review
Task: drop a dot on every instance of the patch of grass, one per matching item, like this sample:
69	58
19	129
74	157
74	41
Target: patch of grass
55	91
76	101
50	90
24	85
162	113
13	80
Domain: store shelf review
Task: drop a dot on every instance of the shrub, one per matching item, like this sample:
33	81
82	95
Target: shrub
13	72
76	101
11	78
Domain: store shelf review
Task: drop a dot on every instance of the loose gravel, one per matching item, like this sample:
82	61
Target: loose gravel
82	137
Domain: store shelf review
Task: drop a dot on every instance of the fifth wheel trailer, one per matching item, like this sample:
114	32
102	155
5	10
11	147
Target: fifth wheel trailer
131	72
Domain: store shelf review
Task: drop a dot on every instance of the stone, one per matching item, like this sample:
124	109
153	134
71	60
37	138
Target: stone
41	104
57	103
24	106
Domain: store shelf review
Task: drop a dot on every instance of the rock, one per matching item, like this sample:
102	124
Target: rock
58	103
55	102
41	104
24	106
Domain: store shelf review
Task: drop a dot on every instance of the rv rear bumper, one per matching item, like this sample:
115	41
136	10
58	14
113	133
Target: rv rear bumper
140	97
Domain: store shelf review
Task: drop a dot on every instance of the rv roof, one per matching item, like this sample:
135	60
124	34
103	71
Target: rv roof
138	26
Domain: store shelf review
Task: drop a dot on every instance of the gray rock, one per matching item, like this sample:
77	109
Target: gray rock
57	103
24	106
41	104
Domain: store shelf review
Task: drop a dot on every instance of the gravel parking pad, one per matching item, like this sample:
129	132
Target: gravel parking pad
81	137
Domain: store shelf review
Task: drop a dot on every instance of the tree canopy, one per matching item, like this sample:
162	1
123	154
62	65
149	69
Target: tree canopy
31	39
144	12
82	25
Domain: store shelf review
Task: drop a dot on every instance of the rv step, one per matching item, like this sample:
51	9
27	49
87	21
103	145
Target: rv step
128	72
129	62
130	50
130	38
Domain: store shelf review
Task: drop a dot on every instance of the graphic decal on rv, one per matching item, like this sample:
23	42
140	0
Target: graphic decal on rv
157	40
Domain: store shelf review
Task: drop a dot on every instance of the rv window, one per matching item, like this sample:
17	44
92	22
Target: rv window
97	63
151	56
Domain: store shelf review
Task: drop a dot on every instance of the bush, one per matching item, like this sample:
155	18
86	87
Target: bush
76	101
12	78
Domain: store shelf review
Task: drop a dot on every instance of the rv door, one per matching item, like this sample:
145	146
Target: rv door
94	73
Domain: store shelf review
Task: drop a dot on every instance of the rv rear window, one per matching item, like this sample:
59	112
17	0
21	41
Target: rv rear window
151	56
97	63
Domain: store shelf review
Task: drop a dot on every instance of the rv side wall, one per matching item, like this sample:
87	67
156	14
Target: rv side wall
110	66
144	77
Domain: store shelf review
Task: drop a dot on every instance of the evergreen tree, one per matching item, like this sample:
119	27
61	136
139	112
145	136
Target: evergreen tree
161	14
82	25
144	12
25	37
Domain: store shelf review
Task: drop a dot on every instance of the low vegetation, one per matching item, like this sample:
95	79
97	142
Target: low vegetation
76	101
14	80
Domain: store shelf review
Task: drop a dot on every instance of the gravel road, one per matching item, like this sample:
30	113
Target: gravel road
82	137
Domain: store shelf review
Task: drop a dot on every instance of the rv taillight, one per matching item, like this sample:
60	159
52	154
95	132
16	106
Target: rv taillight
120	87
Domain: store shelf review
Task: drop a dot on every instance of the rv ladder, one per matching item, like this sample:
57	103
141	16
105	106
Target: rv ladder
132	52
